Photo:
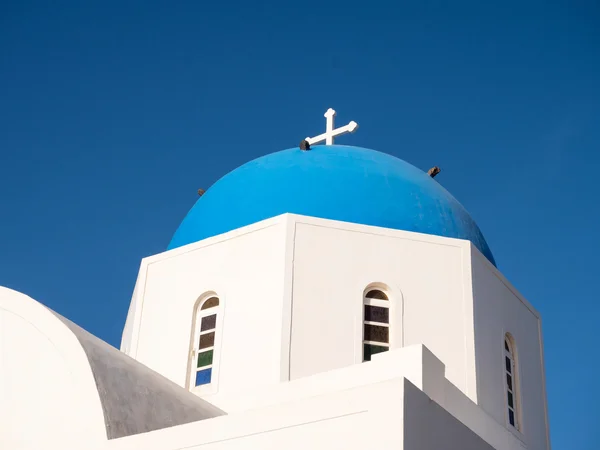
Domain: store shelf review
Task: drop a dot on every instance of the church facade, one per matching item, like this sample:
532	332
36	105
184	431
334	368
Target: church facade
338	297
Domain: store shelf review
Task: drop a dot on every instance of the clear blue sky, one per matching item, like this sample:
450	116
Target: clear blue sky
113	114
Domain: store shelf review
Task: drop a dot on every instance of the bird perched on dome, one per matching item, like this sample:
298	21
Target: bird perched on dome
433	171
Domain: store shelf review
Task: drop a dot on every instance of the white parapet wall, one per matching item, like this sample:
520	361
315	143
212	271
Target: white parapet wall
400	400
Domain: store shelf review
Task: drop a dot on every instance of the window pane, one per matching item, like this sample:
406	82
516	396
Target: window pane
209	323
207	340
376	333
510	400
377	314
511	417
376	294
509	382
203	377
205	358
210	303
369	350
508	364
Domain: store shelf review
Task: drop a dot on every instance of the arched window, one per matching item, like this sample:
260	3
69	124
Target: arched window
376	323
203	353
510	369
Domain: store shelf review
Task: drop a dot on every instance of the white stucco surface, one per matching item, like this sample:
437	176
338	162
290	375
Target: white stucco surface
335	263
500	309
246	271
363	405
293	290
47	390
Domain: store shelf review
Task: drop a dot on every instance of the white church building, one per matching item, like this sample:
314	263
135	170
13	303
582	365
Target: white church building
321	297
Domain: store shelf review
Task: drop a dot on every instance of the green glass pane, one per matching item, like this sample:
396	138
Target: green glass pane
369	349
205	358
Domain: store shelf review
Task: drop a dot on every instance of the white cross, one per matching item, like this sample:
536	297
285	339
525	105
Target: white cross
330	133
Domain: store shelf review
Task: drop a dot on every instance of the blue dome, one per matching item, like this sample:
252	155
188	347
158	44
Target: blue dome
349	184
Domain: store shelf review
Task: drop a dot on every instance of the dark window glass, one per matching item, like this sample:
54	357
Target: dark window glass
509	382
210	303
377	314
203	377
508	364
506	345
376	333
205	358
369	350
376	294
510	400
209	323
511	417
207	340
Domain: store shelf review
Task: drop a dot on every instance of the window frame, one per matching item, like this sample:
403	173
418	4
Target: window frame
195	351
368	301
517	428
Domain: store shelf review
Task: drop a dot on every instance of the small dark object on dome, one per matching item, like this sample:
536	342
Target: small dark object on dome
433	171
201	192
304	145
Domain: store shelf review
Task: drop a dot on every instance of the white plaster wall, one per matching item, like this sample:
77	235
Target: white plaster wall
415	363
350	419
333	264
428	426
130	330
292	288
48	397
246	269
499	308
470	414
357	407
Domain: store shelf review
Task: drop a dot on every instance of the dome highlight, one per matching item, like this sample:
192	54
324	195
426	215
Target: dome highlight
345	183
